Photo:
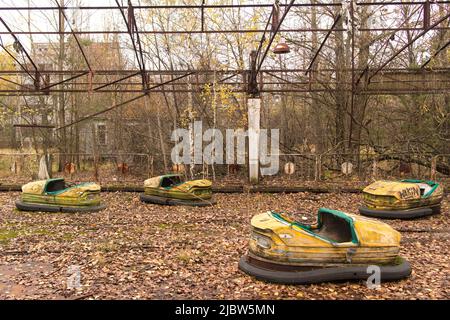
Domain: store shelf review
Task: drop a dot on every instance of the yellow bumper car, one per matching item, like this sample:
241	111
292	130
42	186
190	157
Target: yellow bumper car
338	247
406	199
55	195
173	190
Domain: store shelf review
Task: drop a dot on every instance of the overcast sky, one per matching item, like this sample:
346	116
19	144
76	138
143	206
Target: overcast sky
47	20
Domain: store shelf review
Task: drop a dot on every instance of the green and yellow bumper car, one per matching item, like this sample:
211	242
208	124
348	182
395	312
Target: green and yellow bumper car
406	199
338	247
55	195
173	190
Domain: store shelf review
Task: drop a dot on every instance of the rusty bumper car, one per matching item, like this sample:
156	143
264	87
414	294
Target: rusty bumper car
173	190
339	247
55	195
405	199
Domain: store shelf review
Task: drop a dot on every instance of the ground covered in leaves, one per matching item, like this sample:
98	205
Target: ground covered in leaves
137	251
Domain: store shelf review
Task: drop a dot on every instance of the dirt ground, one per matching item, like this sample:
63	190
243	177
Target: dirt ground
138	251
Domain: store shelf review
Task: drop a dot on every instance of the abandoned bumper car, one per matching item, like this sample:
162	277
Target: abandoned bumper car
173	190
339	247
55	195
404	199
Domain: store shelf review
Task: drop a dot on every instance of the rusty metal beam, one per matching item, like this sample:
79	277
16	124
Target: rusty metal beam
13	82
141	54
117	81
234	31
131	25
256	61
407	45
323	43
25	70
129	72
103	111
384	80
387	80
252	86
18	41
272	91
64	81
75	37
384	46
35	79
33	126
261	61
203	15
220	6
181	7
426	14
263	38
124	103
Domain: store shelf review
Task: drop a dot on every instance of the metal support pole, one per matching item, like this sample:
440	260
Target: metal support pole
426	14
254	127
352	97
253	89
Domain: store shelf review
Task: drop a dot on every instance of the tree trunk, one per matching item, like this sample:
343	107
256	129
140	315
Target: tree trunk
340	93
62	111
315	103
360	101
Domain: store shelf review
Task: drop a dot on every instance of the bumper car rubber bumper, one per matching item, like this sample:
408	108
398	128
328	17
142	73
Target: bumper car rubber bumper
26	206
271	272
400	214
176	202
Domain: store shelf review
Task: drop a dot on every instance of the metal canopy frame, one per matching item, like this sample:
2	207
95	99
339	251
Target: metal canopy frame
127	77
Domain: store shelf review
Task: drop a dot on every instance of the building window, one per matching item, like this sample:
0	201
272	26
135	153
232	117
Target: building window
101	134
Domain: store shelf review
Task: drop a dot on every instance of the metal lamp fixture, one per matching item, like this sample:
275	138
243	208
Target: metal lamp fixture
282	47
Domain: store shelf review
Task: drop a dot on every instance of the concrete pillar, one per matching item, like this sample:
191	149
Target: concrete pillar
254	127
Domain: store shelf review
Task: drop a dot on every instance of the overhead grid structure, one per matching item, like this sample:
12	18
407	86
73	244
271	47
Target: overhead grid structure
41	77
239	84
258	78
